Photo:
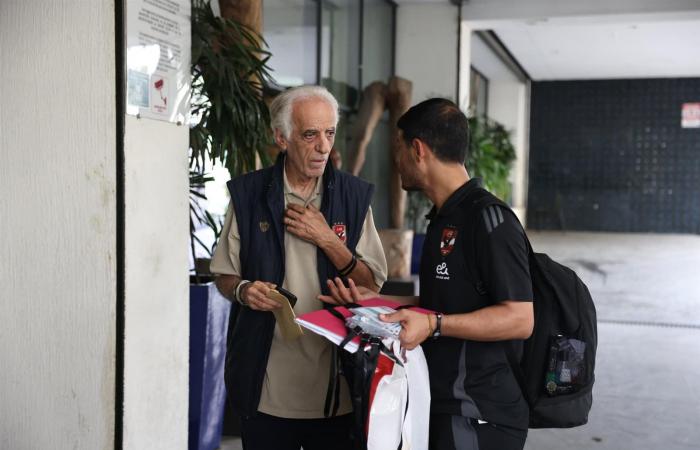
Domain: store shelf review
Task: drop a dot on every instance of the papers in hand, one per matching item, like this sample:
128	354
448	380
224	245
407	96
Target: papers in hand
367	319
324	323
285	316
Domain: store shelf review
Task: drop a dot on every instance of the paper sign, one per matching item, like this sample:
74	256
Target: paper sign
690	115
158	59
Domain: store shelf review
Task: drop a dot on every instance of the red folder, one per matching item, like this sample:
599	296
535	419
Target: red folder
327	325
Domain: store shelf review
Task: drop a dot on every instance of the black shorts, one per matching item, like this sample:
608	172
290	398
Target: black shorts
463	433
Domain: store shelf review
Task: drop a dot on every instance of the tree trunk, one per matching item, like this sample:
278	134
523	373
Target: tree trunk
371	108
246	12
398	100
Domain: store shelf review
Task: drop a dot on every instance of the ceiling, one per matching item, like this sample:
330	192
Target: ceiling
597	39
593	39
605	50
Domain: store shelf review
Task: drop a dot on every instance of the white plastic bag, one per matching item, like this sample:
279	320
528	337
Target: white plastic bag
399	408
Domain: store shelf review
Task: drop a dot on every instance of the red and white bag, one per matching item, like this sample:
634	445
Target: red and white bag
389	386
399	403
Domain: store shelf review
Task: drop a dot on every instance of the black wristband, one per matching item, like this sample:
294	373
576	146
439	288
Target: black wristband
345	271
438	323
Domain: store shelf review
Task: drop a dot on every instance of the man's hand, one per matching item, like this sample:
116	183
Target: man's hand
308	224
341	295
416	327
254	294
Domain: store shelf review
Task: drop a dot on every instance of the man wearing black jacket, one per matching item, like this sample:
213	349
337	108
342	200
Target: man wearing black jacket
293	225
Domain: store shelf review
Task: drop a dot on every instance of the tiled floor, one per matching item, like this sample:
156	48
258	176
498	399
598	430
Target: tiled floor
230	443
647	293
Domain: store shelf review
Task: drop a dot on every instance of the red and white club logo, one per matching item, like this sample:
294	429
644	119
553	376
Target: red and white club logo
339	230
447	243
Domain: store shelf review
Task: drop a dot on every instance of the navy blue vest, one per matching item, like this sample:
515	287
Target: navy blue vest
258	201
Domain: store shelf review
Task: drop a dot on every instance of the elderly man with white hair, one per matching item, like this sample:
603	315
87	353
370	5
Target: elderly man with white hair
295	225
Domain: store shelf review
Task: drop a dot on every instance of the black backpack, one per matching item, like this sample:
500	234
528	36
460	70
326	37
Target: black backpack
556	371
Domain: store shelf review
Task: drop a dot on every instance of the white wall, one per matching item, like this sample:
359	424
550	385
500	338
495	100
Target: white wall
57	222
465	58
426	49
508	103
157	286
487	13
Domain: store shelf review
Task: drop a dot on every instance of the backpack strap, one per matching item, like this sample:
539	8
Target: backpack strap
333	391
477	201
332	403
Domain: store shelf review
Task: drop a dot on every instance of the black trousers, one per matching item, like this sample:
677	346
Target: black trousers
462	433
265	432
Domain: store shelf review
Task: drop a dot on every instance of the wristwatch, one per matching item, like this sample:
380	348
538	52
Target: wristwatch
438	322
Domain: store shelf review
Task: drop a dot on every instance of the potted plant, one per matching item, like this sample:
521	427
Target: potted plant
490	155
230	120
230	126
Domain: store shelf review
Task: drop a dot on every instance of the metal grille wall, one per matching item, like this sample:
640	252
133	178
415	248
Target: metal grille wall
611	156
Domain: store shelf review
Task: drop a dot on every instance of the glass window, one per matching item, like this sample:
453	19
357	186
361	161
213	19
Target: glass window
289	28
377	41
340	49
478	93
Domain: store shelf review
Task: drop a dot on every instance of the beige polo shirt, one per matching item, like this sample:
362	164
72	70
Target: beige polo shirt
296	378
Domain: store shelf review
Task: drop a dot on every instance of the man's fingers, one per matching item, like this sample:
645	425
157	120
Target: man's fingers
403	339
353	290
339	292
264	287
297	231
328	299
255	303
295	211
256	296
263	303
335	292
344	292
295	207
398	316
291	214
409	345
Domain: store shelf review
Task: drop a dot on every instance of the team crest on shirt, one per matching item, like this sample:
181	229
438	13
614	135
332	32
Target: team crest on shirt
339	230
264	226
447	243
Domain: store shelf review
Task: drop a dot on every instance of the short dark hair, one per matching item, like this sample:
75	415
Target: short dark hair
439	123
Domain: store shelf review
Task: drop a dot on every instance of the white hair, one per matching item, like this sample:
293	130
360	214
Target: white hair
281	107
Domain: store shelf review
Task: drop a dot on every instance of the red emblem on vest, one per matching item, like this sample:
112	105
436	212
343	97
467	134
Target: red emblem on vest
447	243
339	230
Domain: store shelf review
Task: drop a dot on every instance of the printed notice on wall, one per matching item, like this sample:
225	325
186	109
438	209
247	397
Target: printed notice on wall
690	115
158	59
